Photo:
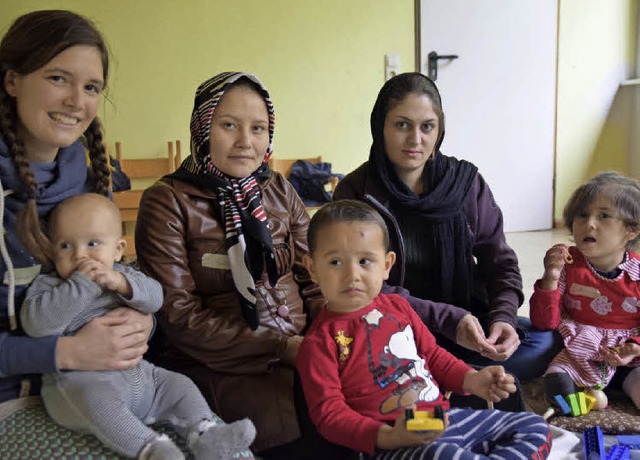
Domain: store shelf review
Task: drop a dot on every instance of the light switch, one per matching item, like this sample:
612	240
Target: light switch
392	65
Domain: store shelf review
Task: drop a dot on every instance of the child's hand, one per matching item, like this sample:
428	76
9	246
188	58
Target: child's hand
554	261
105	277
469	334
621	355
397	436
491	383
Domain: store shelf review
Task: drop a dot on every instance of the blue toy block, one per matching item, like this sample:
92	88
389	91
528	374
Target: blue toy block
564	407
618	452
630	440
593	444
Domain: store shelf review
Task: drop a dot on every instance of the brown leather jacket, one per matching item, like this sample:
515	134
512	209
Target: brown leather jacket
181	243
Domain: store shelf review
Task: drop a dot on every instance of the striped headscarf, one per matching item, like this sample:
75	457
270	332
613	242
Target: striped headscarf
248	238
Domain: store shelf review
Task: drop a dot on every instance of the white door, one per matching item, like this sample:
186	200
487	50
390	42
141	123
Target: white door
498	96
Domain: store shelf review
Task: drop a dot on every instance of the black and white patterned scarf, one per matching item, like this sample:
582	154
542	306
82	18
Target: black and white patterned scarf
248	239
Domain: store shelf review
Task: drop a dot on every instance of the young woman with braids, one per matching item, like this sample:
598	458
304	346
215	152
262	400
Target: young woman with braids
53	70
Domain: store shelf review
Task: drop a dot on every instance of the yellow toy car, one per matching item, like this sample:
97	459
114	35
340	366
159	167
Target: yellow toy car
423	420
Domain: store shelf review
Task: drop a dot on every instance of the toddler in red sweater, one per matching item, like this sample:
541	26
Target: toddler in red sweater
589	292
368	356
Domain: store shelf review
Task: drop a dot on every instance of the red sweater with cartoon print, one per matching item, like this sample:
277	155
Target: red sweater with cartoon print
588	298
360	369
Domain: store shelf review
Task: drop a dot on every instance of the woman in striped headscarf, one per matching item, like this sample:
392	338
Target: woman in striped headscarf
225	236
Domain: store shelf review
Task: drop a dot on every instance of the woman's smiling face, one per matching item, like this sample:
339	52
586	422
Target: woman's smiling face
57	102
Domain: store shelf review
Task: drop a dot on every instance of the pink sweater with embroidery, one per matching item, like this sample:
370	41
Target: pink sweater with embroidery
588	298
360	369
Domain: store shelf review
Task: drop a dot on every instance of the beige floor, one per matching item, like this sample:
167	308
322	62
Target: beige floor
530	248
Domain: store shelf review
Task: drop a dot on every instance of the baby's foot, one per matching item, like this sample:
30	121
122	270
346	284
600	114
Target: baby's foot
221	441
161	448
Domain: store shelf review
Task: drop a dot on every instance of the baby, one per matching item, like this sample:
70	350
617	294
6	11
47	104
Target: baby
115	406
368	356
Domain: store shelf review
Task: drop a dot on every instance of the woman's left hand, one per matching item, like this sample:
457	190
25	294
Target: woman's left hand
470	335
505	339
143	320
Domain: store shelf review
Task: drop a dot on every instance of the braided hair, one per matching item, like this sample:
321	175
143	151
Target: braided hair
31	42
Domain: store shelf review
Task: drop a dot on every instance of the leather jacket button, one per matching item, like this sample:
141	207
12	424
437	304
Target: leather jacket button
283	311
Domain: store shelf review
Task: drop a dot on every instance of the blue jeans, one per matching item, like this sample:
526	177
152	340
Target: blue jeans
530	360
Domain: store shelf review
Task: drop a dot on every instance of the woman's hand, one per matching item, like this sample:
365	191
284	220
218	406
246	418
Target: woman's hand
621	355
469	334
554	261
115	341
491	383
505	340
397	436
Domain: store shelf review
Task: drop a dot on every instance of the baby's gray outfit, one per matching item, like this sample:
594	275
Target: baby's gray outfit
114	406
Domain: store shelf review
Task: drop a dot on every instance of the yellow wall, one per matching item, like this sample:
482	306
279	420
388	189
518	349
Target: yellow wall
322	61
595	53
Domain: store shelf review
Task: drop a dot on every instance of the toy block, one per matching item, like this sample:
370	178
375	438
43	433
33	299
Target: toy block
573	402
630	440
590	402
421	420
564	407
582	403
618	452
593	444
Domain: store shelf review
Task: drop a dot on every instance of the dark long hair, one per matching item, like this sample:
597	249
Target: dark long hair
32	41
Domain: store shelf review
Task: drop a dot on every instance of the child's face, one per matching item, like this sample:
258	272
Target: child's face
350	264
601	235
86	230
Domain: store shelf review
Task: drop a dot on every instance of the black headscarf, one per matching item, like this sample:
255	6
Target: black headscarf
446	182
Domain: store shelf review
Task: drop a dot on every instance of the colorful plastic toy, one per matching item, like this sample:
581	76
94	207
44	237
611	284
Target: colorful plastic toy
632	441
424	420
593	444
601	400
564	407
574	404
618	452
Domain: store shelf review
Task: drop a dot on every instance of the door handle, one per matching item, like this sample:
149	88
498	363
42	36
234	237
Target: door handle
433	63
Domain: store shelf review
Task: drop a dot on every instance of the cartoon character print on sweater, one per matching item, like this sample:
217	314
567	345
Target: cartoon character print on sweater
398	362
344	345
600	303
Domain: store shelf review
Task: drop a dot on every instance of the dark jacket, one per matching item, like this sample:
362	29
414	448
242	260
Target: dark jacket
180	242
497	280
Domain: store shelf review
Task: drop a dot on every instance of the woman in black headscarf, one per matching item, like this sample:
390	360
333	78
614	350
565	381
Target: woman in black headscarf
445	225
